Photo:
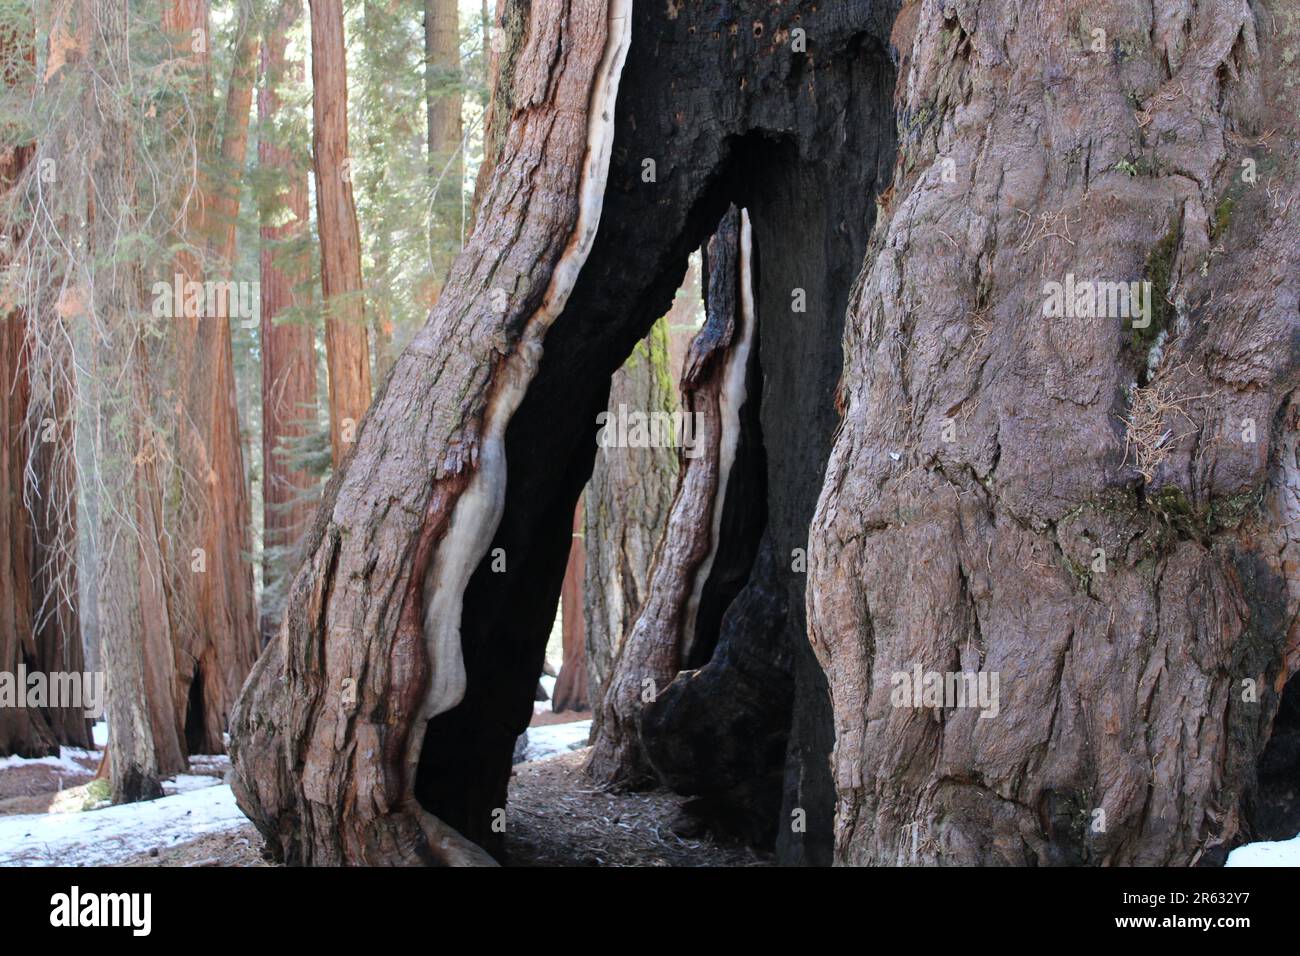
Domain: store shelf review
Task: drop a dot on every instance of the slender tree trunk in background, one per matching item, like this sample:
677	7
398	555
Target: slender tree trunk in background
347	353
571	686
503	40
379	307
443	90
345	331
627	504
288	348
216	640
144	727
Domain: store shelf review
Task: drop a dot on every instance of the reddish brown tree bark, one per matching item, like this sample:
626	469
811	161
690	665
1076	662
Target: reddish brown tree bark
571	685
1098	508
347	352
39	623
216	642
396	611
288	347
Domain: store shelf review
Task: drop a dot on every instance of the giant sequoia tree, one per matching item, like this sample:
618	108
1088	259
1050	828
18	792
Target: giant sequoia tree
1093	508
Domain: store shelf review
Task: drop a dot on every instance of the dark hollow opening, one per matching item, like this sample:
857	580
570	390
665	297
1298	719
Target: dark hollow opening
749	126
195	727
1276	808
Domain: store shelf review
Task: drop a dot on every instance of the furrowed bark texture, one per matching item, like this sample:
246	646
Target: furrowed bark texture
214	617
39	625
325	728
347	352
731	109
627	503
716	381
1121	690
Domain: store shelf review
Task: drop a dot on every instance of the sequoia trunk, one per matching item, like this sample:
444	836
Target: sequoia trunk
1052	573
289	408
347	352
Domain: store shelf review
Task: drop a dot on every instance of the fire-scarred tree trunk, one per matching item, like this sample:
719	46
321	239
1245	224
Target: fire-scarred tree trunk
398	612
1002	482
719	401
1094	508
347	353
627	504
288	347
437	558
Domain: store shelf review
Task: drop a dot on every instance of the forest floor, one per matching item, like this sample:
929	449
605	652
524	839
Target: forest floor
554	818
53	811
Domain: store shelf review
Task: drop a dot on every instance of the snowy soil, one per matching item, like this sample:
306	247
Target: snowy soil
52	814
1281	853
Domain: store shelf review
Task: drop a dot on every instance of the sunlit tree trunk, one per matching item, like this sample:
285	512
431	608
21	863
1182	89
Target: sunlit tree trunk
347	352
571	685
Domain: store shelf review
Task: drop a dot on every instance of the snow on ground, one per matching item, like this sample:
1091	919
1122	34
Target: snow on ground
1280	853
107	836
544	706
66	761
551	739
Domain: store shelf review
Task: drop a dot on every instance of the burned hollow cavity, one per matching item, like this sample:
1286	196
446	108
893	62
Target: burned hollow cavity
728	117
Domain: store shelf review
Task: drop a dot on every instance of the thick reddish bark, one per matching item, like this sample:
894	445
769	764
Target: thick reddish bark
571	685
1099	513
370	646
288	347
215	637
347	352
39	622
